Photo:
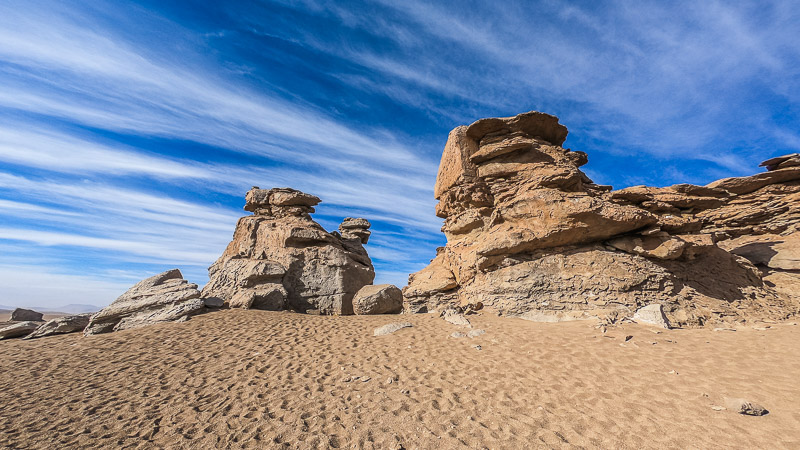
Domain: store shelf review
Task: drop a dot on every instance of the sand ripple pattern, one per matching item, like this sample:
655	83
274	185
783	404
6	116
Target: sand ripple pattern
257	379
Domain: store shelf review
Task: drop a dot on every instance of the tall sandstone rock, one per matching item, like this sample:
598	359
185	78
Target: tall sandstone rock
280	258
529	234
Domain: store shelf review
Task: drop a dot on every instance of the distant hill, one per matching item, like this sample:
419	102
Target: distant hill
72	308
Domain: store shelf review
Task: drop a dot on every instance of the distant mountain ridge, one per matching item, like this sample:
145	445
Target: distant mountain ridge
72	308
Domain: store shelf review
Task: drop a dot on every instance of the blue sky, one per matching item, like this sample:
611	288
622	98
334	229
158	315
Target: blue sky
130	131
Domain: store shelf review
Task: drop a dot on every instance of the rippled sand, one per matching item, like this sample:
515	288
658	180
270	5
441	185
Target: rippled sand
268	380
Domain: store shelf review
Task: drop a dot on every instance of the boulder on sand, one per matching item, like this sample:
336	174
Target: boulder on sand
61	325
22	314
18	329
165	297
378	299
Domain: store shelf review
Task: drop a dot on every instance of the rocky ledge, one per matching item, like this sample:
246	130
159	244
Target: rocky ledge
529	234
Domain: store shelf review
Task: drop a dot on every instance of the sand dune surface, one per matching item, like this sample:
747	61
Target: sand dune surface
257	379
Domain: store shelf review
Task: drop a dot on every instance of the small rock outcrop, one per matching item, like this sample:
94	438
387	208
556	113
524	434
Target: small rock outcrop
61	325
378	299
531	235
18	329
280	258
165	297
22	314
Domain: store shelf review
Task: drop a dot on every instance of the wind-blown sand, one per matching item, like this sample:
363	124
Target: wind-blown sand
269	379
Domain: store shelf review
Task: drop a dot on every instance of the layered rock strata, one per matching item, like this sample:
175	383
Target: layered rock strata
61	325
165	297
280	258
529	234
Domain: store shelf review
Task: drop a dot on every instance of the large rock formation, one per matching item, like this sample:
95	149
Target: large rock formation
529	234
165	297
281	259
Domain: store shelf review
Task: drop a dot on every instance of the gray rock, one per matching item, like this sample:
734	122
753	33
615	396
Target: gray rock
21	314
164	297
61	325
391	328
652	315
18	329
378	299
213	302
742	406
458	335
475	333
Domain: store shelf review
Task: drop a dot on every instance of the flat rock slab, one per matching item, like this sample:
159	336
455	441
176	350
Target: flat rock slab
61	325
652	315
455	318
18	329
391	328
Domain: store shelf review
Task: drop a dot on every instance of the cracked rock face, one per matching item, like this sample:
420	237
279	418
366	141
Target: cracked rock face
529	234
165	297
280	258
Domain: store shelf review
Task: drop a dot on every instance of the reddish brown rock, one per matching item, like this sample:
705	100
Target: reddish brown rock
529	234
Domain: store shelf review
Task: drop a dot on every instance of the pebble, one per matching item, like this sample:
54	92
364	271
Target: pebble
365	379
458	334
478	347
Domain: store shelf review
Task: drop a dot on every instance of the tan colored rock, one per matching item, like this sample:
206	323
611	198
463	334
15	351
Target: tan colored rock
773	251
782	162
355	228
652	315
378	299
18	329
61	325
165	297
529	234
746	185
22	314
280	258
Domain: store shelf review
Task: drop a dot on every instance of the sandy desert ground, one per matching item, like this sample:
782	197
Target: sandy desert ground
257	379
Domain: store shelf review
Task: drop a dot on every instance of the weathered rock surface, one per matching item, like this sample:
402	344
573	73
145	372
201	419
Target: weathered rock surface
22	314
652	315
742	406
391	328
18	329
378	299
61	325
530	235
165	297
280	258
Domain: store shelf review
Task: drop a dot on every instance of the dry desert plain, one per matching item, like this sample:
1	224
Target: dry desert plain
260	379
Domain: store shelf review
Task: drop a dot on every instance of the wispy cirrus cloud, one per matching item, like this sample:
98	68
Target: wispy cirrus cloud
130	132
